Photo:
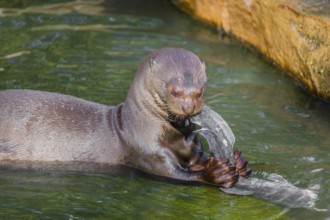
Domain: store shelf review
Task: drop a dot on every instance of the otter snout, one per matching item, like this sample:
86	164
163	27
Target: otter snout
188	107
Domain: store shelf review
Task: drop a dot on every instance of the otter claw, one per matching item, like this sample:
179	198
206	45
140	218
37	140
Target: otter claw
196	168
241	164
227	178
244	173
228	185
223	170
219	172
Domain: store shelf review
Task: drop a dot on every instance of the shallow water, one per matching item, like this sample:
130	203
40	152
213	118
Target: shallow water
92	49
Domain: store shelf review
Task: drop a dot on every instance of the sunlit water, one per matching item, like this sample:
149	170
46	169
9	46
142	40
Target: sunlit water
91	50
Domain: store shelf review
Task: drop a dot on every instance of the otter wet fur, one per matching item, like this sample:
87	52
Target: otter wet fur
150	131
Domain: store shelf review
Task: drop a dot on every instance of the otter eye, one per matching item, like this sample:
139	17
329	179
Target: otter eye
175	93
199	94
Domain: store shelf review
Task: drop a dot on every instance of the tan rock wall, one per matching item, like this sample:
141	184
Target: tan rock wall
296	42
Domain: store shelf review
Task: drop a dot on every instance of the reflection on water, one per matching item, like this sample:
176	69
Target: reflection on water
91	49
77	196
17	8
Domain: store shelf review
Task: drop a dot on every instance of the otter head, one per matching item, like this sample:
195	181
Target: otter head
178	79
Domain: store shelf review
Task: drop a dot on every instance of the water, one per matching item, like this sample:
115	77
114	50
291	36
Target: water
315	7
92	49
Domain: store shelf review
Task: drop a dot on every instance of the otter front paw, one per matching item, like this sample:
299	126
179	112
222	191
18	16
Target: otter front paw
241	164
219	172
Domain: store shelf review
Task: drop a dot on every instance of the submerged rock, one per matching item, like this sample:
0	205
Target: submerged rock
298	43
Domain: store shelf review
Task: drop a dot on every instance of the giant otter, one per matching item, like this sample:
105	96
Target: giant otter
150	131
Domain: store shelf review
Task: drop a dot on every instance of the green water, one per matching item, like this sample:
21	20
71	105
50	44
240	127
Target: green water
92	49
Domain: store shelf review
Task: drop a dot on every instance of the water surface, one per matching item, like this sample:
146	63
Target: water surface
316	7
92	49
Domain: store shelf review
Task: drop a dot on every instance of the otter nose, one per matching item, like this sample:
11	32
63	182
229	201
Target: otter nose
188	107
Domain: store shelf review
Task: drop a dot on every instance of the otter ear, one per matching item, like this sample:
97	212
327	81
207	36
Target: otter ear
152	62
203	63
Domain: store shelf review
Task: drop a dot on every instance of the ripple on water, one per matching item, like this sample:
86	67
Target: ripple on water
296	110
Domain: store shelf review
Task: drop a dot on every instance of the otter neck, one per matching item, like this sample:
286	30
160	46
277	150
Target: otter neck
144	97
